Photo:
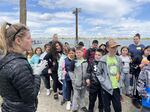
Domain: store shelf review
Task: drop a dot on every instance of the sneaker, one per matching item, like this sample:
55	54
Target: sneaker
56	96
68	105
47	92
84	109
51	89
136	103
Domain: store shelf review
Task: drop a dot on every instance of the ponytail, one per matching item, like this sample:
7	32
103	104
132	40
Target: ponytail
8	33
3	46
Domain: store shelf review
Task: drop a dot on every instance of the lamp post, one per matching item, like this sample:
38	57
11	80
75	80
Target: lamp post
76	12
23	11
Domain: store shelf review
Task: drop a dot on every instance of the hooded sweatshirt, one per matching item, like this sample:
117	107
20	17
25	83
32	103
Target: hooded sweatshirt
143	86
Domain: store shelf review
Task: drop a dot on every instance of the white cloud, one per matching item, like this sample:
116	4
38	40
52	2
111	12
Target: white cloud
63	31
123	27
39	22
142	1
110	8
109	18
98	22
97	27
9	17
10	1
44	17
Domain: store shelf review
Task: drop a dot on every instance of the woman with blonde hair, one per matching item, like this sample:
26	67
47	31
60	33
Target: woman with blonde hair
18	86
2	47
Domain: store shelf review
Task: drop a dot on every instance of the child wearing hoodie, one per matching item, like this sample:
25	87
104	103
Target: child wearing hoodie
143	86
110	70
78	77
93	83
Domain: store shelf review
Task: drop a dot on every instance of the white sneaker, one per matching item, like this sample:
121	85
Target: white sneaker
51	89
68	105
47	92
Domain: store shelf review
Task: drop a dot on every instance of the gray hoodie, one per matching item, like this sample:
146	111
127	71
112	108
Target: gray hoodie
144	80
79	75
103	75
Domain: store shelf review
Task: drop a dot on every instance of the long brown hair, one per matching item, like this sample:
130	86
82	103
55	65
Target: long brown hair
53	50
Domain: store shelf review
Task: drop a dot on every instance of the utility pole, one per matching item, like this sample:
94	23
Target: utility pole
23	13
76	12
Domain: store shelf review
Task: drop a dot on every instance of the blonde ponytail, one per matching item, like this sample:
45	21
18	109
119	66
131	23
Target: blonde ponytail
8	33
3	46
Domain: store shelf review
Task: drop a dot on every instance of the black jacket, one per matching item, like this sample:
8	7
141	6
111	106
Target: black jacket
18	86
94	82
52	64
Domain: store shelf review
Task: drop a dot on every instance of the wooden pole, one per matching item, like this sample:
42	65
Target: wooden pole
23	15
76	12
77	38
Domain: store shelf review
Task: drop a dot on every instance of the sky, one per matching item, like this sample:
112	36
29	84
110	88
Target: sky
97	18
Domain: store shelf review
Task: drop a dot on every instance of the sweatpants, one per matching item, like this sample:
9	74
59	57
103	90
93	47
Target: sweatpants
115	98
92	98
126	81
78	97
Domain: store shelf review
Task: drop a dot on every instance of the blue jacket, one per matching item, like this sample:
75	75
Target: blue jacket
68	67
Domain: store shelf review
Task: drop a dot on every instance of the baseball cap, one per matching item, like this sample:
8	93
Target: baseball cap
112	43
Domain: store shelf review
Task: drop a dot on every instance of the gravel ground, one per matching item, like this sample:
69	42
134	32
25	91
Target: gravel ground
48	104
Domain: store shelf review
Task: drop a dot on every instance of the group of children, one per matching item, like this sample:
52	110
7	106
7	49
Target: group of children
106	77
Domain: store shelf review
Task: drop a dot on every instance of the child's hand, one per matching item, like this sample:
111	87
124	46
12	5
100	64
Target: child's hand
88	82
118	76
141	65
